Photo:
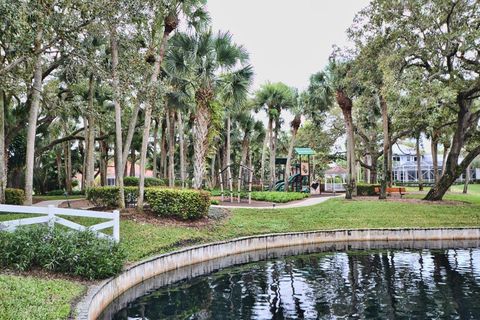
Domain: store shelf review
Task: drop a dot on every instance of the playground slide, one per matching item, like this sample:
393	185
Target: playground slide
280	186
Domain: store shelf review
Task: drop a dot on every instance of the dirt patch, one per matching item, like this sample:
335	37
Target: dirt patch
77	204
414	201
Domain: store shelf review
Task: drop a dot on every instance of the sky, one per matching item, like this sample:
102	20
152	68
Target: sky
288	40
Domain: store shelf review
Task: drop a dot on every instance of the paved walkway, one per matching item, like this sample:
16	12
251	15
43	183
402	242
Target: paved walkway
297	204
54	203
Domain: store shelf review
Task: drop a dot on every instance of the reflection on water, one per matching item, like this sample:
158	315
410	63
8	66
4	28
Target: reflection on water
379	284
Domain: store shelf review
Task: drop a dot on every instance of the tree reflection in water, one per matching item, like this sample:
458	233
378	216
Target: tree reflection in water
384	284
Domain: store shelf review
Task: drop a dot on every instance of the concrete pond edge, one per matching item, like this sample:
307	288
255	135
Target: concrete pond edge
99	296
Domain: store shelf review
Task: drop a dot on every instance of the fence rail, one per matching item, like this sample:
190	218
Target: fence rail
52	215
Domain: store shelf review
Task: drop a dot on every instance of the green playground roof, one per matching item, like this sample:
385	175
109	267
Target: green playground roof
304	151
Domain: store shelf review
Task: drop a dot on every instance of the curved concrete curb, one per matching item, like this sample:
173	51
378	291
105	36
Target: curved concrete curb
100	296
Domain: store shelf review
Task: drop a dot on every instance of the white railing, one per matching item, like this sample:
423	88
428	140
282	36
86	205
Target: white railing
52	215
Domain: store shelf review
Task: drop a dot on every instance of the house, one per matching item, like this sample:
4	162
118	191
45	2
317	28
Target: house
111	174
404	169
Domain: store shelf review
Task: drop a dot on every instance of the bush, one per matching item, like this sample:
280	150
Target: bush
14	196
214	202
149	182
183	204
58	250
364	189
279	197
108	196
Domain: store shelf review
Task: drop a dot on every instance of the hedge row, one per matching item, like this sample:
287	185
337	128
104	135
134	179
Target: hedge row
149	182
109	196
364	189
184	204
58	250
14	196
180	203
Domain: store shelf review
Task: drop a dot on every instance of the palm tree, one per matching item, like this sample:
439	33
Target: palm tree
168	18
297	111
233	93
202	55
323	89
273	97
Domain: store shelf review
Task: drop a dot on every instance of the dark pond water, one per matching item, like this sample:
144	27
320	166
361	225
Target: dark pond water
367	284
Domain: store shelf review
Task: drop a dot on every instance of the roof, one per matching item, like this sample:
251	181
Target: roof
304	151
336	170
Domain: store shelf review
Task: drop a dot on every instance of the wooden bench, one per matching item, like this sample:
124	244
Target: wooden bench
398	190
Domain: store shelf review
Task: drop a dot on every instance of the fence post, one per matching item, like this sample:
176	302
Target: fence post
116	225
51	217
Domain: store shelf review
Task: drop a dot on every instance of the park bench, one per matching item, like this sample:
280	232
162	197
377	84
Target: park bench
392	190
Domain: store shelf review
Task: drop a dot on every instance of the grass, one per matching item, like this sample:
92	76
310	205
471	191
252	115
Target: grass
35	298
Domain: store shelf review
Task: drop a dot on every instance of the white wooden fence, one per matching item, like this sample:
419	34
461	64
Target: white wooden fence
52	215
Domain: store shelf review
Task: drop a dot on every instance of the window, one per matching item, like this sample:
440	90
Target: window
110	181
396	158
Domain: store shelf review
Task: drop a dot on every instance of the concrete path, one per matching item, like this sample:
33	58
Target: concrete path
54	203
297	204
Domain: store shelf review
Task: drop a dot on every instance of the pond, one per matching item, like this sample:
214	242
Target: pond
403	282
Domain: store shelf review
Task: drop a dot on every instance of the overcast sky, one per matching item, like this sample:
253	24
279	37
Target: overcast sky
288	40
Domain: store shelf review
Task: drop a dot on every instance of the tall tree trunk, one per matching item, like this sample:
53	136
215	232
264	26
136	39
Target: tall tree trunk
446	149
200	142
155	143
3	169
163	148
90	146
272	153
345	104
133	159
227	155
131	131
181	142
373	170
32	118
58	160
434	148
103	161
67	164
262	161
467	179
148	116
295	125
171	148
419	164
120	159
453	169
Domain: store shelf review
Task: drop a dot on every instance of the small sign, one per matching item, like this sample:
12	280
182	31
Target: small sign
305	169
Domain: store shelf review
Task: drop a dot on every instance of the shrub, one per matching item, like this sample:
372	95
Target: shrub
108	196
14	196
279	197
364	189
183	204
60	192
149	182
214	202
58	250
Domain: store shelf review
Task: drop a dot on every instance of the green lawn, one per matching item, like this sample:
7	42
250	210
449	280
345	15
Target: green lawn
141	240
25	298
60	197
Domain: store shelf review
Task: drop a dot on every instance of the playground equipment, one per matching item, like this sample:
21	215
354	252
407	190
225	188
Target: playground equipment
300	178
245	174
